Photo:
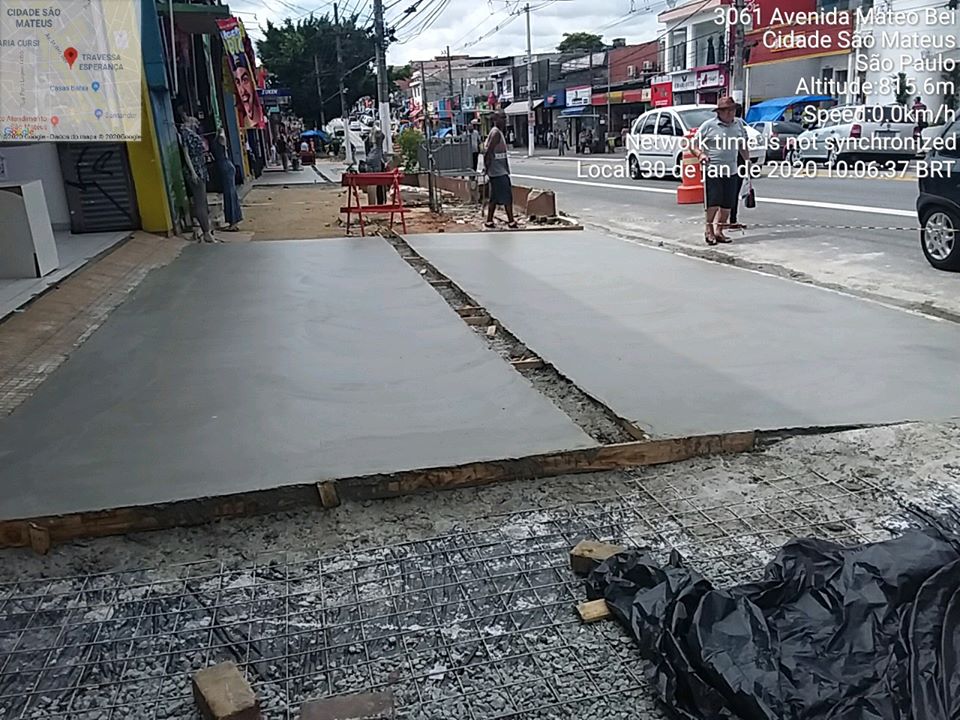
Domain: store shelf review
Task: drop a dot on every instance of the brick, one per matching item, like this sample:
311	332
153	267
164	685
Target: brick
363	706
541	203
589	553
593	610
223	693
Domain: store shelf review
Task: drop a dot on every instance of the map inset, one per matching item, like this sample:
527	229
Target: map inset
70	70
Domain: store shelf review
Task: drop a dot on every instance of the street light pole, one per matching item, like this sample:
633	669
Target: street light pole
531	115
344	115
738	80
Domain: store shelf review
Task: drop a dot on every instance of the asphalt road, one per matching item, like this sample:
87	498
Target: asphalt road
800	207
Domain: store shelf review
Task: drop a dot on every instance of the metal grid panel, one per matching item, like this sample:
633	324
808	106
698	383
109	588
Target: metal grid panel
477	624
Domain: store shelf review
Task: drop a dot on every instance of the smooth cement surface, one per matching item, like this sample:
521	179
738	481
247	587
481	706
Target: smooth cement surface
684	346
248	366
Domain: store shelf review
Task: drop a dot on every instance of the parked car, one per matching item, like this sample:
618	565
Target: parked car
655	146
860	132
938	206
779	138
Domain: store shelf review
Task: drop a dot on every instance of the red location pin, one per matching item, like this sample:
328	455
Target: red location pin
54	121
70	55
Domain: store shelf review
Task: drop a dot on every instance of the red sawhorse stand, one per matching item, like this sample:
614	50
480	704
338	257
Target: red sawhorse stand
354	181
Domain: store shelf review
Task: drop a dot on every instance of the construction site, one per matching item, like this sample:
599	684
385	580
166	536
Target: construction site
416	474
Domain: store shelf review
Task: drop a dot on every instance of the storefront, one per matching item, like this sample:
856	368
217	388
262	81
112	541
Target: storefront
711	85
621	107
684	87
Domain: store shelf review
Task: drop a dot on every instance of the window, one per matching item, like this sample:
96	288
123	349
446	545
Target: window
648	124
951	141
665	124
631	71
678	49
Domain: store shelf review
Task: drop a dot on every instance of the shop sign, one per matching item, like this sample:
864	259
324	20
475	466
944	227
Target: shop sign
240	58
684	81
468	102
661	94
578	96
710	79
645	95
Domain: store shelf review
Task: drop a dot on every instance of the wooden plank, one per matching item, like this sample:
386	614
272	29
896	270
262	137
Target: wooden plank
593	610
587	554
361	706
469	310
602	458
39	539
118	521
441	282
527	364
477	320
223	693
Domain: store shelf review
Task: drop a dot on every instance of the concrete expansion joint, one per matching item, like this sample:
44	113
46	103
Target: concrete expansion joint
545	376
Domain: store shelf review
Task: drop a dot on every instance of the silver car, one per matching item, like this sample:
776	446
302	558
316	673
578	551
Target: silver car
860	132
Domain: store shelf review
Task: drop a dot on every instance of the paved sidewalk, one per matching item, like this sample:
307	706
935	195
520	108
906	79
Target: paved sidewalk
306	175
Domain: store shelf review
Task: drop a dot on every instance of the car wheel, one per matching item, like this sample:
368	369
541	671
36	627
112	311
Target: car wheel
634	165
940	238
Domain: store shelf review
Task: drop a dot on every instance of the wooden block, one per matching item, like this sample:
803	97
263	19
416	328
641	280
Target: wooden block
593	610
491	330
363	706
39	539
328	494
223	693
469	310
589	553
477	320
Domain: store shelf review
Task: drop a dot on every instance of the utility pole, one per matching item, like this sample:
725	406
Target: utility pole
531	115
383	91
316	71
426	139
453	120
738	81
344	115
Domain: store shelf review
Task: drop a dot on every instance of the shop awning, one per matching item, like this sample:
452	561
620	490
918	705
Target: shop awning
774	108
522	107
579	111
195	19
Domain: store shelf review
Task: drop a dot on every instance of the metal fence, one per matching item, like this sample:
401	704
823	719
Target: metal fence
451	155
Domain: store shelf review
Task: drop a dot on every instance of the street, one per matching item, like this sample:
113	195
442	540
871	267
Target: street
855	235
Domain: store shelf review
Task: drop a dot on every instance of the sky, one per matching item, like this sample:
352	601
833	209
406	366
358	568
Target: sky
469	26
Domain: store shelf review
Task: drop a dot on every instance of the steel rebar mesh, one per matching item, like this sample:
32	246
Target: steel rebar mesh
476	624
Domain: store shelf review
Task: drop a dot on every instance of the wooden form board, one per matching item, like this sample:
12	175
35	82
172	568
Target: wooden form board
41	532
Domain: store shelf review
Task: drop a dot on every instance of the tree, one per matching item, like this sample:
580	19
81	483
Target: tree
288	50
398	72
903	89
585	41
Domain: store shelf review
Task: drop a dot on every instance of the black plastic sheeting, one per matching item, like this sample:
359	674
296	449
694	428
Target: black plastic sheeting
870	632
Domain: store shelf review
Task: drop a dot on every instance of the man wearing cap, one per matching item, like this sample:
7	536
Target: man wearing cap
475	141
717	144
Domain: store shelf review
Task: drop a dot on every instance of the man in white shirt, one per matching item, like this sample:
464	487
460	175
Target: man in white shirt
717	144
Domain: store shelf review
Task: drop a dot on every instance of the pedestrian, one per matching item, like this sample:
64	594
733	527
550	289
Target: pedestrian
562	142
497	167
717	144
549	139
193	151
283	150
920	114
624	131
741	172
232	214
475	142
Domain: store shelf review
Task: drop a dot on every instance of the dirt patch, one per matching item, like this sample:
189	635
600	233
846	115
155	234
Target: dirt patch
293	213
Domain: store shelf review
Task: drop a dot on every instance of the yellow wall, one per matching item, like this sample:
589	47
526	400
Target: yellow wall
147	170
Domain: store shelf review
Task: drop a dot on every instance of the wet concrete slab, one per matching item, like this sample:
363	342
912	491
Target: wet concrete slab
683	346
257	365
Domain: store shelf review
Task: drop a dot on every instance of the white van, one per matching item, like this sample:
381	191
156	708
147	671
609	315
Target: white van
655	145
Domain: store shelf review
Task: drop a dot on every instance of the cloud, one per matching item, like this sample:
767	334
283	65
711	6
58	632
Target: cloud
463	22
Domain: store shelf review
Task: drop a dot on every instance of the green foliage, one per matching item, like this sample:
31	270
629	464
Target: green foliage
288	51
903	90
580	41
410	140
